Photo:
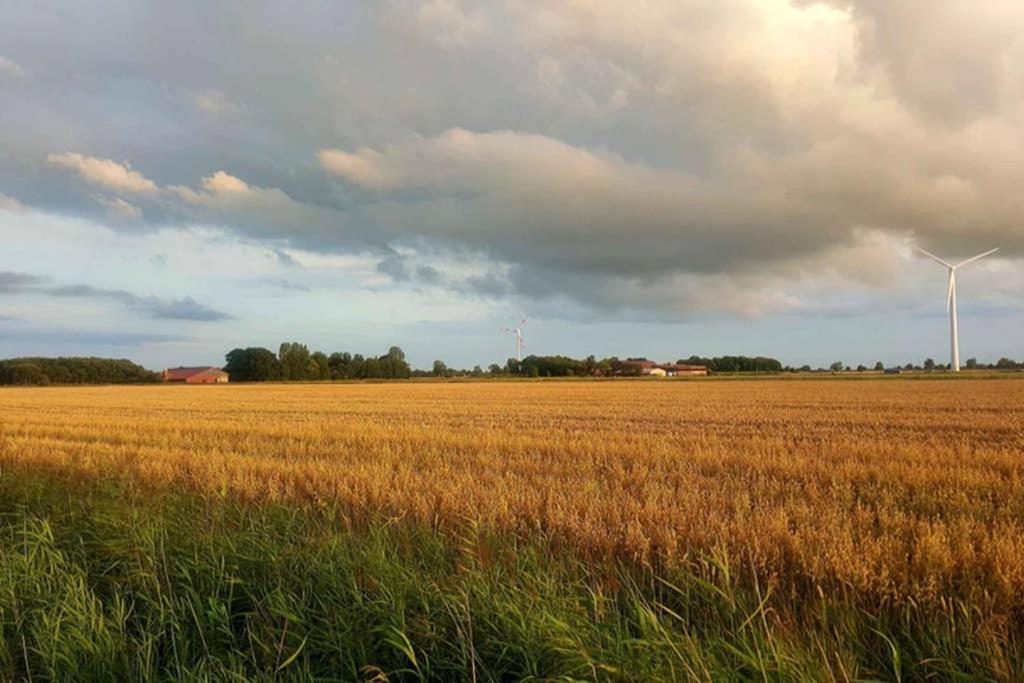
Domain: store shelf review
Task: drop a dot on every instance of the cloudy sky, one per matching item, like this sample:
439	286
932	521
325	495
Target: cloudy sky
644	178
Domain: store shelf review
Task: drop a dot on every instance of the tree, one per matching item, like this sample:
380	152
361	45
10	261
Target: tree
929	363
340	365
358	367
372	368
477	371
735	363
1006	364
322	365
253	364
440	369
294	358
555	366
837	366
394	364
73	371
25	373
879	367
494	369
861	368
972	363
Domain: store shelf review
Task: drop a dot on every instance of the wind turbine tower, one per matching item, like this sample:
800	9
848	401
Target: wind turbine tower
954	339
518	332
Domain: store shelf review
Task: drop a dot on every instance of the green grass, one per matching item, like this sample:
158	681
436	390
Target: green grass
102	581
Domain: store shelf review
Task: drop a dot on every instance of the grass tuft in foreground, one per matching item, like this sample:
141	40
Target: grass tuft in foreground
101	582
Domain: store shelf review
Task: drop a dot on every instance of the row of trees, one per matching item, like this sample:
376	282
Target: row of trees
929	364
295	363
735	363
44	371
531	366
564	366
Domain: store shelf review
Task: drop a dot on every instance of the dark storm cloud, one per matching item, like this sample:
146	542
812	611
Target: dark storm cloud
186	308
601	151
488	285
429	275
39	335
16	282
395	267
150	306
399	269
285	259
286	285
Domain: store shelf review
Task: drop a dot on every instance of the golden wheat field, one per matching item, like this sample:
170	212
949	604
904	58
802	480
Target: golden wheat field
897	489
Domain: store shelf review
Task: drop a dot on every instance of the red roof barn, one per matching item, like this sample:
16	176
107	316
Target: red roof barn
203	375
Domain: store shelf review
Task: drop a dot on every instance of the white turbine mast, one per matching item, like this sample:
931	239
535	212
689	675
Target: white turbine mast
954	338
518	332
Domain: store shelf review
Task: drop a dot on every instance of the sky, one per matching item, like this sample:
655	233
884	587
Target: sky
641	178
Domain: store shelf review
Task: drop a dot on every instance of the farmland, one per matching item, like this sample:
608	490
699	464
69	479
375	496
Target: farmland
618	529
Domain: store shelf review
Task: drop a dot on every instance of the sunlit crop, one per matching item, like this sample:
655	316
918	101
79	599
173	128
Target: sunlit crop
901	490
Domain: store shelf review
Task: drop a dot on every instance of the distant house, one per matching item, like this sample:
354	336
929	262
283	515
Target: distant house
202	375
682	369
642	366
633	366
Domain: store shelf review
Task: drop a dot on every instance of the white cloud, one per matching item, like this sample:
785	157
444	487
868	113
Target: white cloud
225	190
11	204
363	167
214	102
263	212
10	69
657	154
449	22
104	172
119	209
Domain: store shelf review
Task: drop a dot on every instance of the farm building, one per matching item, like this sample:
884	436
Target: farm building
642	366
202	375
681	369
632	366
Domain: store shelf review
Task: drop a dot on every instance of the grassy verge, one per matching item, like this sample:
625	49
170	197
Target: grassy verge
102	581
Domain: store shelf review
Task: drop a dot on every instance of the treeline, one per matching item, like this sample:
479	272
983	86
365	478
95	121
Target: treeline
531	366
45	371
735	363
929	365
565	366
295	363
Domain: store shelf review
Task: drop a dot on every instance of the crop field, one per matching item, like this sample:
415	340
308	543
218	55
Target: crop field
834	530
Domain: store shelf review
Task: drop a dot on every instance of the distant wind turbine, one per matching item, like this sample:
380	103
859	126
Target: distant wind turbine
951	302
518	332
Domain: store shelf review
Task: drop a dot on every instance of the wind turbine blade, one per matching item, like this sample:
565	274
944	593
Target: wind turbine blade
949	292
526	317
975	258
934	257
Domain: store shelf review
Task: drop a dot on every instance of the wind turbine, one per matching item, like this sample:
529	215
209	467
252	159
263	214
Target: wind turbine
518	332
951	302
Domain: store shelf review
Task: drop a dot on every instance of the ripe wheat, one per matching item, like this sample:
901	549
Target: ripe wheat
899	490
